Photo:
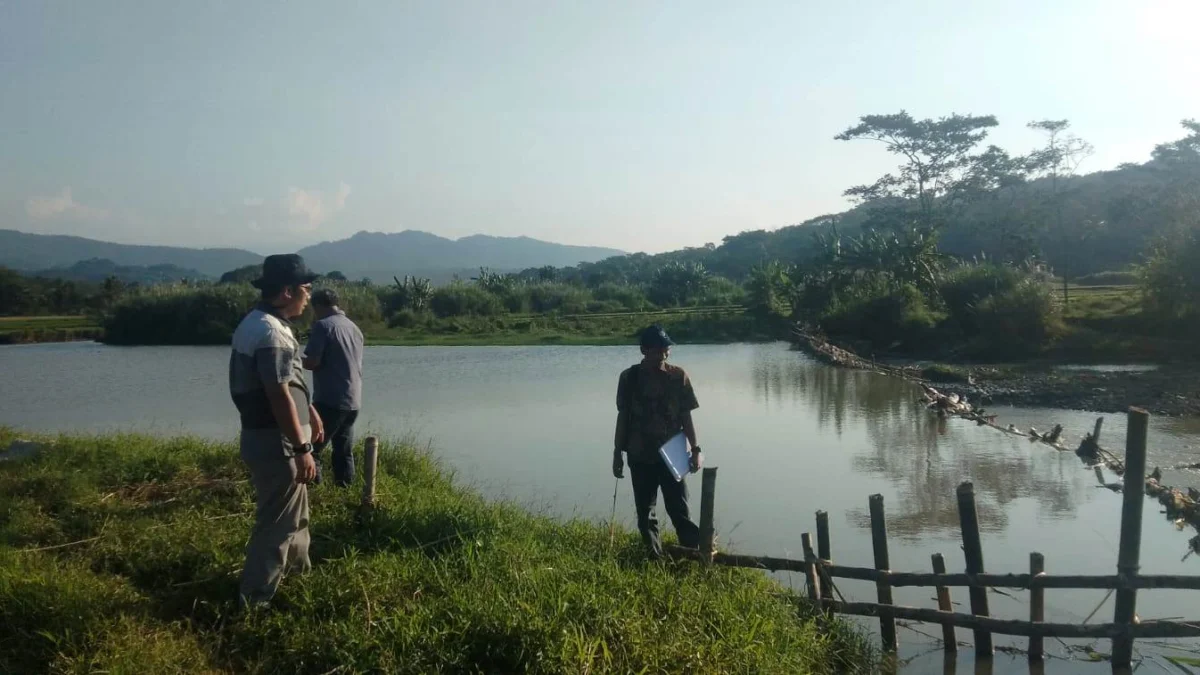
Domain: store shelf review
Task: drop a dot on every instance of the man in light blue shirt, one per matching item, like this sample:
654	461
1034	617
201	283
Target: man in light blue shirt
334	354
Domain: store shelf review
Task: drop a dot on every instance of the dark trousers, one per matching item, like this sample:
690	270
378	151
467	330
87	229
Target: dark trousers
339	431
648	479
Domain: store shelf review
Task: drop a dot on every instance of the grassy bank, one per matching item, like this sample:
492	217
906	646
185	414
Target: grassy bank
208	315
121	554
23	329
1108	324
716	326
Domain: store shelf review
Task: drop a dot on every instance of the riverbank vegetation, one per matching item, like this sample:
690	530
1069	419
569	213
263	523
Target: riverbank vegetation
121	554
965	252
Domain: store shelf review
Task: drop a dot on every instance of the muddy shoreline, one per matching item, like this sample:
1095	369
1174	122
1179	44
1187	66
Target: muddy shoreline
1168	390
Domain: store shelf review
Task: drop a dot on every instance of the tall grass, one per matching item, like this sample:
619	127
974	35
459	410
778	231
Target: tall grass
202	314
436	579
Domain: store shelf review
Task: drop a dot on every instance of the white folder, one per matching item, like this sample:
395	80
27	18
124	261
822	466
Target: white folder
675	453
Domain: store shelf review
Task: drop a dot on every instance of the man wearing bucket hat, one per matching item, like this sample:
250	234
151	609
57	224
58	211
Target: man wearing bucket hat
279	426
655	401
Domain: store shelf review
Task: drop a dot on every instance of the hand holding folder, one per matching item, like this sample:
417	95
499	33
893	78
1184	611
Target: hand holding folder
676	454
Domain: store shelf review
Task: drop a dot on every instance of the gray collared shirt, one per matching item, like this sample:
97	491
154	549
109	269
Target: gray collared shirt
336	349
265	350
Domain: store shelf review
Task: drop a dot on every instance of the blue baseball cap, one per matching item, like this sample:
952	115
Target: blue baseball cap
655	336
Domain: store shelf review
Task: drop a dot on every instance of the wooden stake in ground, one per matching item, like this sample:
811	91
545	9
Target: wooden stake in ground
973	551
1129	551
371	450
612	519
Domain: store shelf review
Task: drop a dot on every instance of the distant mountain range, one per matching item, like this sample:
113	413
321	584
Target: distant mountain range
380	256
366	254
32	252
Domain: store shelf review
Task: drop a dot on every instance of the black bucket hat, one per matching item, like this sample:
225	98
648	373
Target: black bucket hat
654	337
285	269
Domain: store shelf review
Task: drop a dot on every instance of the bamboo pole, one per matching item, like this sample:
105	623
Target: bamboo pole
1129	550
757	562
887	622
814	585
1021	627
949	639
823	551
1037	605
973	549
708	489
1022	581
957	580
370	465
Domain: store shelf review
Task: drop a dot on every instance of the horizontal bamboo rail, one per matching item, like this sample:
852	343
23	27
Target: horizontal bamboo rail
1146	629
990	580
1125	628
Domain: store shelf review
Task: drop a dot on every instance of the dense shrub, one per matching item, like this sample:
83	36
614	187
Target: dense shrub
459	299
632	298
178	314
721	291
677	284
1018	322
1171	277
407	318
360	302
542	298
887	319
965	287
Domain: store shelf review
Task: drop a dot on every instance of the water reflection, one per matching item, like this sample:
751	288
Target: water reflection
922	456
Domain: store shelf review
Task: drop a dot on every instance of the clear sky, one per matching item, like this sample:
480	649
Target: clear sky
639	125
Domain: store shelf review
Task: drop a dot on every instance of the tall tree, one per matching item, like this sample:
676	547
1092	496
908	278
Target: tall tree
940	173
1058	160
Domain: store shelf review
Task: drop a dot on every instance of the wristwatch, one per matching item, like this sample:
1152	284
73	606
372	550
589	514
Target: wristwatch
302	449
696	449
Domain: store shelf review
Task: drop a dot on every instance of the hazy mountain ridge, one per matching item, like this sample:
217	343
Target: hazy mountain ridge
28	252
415	252
366	254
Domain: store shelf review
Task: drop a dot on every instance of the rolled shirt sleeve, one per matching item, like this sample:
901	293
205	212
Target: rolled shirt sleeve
687	395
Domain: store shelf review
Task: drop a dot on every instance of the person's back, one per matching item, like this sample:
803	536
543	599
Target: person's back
334	354
338	382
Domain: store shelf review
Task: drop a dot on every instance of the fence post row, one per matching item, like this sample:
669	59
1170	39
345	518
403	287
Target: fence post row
819	571
1129	549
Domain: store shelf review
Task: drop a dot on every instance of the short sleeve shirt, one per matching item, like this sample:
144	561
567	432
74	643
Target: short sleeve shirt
265	350
336	344
657	402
